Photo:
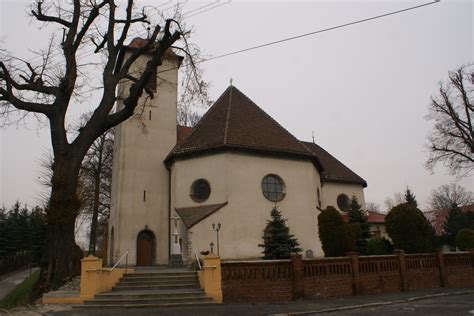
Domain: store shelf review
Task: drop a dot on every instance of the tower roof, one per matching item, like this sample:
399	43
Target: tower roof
235	122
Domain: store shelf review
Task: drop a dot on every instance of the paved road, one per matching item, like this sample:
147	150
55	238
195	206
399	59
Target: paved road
447	302
9	283
447	305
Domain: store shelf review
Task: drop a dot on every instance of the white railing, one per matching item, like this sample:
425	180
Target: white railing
197	259
125	255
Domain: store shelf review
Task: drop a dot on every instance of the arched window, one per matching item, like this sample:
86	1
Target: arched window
111	249
319	197
273	188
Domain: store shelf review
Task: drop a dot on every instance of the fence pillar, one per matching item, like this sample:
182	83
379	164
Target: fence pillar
355	272
90	281
471	251
403	269
442	270
298	276
210	277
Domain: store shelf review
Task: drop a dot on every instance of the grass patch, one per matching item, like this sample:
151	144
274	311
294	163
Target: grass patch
21	295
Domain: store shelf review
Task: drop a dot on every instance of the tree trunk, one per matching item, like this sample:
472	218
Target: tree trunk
63	255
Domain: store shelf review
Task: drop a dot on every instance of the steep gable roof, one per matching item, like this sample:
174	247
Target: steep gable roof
235	122
333	169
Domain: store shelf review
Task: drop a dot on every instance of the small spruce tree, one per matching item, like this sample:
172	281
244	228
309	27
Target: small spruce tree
357	216
278	243
454	223
410	197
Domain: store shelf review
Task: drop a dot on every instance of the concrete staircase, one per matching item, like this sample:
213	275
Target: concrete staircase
152	288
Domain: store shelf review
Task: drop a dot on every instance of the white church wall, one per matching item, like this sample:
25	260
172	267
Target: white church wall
140	180
331	191
236	178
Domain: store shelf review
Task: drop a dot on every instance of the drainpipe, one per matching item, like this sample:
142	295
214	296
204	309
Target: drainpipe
169	212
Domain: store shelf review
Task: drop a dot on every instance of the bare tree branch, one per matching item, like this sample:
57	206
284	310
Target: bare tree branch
48	18
451	141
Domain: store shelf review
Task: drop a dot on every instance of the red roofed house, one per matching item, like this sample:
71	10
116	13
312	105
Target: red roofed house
376	221
437	218
171	183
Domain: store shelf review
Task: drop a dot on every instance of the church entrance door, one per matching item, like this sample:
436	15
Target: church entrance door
145	248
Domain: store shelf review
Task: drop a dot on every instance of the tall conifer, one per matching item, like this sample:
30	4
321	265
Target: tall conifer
278	243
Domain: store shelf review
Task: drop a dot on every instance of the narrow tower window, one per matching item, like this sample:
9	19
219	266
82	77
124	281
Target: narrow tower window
144	195
149	115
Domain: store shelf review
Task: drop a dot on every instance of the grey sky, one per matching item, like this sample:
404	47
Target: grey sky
363	90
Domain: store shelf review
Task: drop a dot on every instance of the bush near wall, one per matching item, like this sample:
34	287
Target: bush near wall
409	229
465	239
337	237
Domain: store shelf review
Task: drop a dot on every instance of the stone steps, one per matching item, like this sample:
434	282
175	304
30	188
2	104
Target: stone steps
152	289
163	305
125	287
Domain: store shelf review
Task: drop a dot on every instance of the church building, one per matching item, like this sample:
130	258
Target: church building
176	190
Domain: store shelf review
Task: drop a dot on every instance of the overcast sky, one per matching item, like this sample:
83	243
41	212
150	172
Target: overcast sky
364	89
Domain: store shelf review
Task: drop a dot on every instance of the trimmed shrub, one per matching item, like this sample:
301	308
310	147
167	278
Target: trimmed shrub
409	229
337	237
377	246
465	239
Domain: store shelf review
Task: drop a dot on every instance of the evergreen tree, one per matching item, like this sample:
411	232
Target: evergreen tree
3	239
37	224
336	235
409	229
278	243
410	197
454	223
11	229
357	216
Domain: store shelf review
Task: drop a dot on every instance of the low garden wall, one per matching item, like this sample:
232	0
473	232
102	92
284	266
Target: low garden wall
284	280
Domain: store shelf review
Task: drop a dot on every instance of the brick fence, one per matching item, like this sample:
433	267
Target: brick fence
284	280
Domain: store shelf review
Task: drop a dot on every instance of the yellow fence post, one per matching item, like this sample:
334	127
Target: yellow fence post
210	277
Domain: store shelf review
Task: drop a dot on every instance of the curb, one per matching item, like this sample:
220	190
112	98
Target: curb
343	308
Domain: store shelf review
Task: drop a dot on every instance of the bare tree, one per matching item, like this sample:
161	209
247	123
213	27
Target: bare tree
451	142
50	87
372	207
96	178
397	199
187	116
448	195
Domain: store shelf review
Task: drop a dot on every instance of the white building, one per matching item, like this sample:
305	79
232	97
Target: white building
232	168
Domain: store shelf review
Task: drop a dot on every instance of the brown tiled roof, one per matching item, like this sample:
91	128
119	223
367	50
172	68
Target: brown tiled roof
193	215
182	133
333	169
235	122
437	218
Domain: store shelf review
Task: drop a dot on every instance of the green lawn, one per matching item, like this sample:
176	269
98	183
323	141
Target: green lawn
21	294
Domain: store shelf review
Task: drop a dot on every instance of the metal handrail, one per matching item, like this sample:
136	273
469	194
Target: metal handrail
126	264
197	259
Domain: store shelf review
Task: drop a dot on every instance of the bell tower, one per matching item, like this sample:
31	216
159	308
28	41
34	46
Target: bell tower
139	214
